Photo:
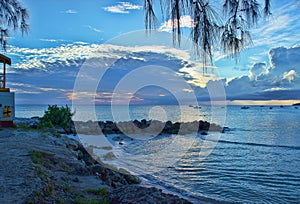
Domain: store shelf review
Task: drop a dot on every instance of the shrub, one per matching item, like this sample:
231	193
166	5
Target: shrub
58	116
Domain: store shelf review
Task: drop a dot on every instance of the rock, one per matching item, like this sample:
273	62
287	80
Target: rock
113	177
144	126
34	125
72	146
144	121
80	155
60	129
168	124
139	194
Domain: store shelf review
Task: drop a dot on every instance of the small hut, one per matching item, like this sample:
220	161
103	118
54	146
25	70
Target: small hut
4	60
7	98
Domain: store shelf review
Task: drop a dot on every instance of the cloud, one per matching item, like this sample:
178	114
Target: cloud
257	69
70	11
185	22
93	29
52	40
122	8
279	81
69	55
290	76
52	71
282	28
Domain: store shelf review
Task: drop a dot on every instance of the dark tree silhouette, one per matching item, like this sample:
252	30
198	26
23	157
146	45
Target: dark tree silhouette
227	30
13	16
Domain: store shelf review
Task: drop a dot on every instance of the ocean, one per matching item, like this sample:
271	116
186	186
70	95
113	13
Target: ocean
257	160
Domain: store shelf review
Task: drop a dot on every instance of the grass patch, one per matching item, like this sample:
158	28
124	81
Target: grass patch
57	134
101	192
67	188
41	173
90	201
40	157
24	127
49	190
45	159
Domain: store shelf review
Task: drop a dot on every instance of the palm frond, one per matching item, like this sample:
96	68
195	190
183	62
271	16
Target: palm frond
4	34
12	17
175	10
205	34
267	8
210	32
150	18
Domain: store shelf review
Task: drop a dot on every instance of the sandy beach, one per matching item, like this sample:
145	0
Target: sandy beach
37	167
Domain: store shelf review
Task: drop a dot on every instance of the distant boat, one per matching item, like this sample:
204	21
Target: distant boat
271	107
244	107
281	106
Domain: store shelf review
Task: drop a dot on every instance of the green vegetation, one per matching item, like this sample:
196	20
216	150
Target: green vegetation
48	191
90	201
101	192
58	116
24	127
41	173
40	157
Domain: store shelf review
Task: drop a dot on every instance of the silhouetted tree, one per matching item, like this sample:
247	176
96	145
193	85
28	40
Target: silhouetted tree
13	16
227	30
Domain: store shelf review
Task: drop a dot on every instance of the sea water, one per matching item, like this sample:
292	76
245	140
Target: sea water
256	161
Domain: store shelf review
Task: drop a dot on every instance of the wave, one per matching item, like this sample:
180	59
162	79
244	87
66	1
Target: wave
251	143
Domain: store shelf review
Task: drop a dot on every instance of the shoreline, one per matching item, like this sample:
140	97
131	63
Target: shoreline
121	187
41	168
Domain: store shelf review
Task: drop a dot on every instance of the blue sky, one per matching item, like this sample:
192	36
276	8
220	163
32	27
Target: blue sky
64	35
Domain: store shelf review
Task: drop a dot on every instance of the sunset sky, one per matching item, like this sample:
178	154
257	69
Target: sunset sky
64	35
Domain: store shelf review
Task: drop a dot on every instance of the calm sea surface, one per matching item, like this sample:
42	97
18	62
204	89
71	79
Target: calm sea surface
256	161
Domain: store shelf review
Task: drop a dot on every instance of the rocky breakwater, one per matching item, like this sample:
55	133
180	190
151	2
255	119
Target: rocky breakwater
145	126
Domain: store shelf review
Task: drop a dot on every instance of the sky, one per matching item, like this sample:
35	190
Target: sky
67	38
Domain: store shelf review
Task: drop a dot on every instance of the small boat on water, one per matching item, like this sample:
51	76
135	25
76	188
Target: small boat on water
244	107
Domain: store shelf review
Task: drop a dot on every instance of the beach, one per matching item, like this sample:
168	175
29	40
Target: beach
37	167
